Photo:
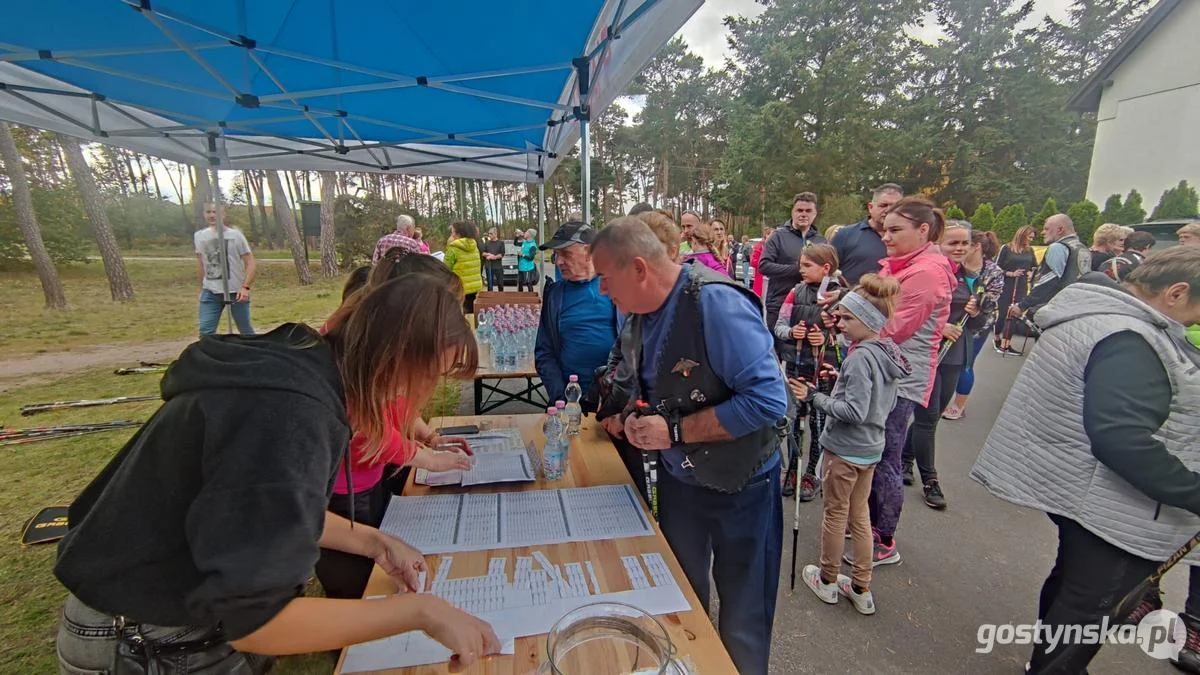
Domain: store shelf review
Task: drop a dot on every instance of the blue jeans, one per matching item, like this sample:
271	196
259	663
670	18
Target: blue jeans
741	536
211	306
966	379
747	277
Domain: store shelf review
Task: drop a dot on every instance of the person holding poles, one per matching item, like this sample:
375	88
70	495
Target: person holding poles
225	267
853	438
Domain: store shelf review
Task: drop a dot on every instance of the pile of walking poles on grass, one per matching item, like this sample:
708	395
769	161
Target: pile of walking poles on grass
53	432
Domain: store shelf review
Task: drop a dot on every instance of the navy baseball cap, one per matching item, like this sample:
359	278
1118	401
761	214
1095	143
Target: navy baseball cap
568	234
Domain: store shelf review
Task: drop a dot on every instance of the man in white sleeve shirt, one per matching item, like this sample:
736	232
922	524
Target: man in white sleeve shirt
239	269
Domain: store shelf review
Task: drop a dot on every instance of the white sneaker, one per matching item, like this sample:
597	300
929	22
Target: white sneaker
828	593
863	602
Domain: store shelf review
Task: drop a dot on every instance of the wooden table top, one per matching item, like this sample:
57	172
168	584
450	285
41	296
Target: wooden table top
593	461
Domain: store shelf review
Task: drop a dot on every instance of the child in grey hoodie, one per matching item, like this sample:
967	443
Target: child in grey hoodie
856	411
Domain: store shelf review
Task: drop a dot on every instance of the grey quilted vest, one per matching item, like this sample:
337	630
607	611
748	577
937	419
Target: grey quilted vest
1038	454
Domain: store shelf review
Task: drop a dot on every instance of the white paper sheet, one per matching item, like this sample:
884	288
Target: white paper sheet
500	456
528	606
476	522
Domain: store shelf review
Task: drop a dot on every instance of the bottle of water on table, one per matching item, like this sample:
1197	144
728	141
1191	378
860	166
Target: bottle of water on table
573	411
554	453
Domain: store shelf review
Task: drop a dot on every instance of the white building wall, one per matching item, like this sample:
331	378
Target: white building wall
1148	132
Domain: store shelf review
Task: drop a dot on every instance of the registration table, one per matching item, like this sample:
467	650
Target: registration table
593	462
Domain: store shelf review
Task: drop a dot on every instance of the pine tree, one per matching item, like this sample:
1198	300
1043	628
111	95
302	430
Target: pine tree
1086	216
114	265
1180	201
1132	212
1010	219
1113	211
1048	209
984	218
52	287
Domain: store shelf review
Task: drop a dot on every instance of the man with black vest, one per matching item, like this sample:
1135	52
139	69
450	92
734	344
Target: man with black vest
1066	259
715	410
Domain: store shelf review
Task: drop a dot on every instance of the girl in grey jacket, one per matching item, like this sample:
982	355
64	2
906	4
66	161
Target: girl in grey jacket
856	411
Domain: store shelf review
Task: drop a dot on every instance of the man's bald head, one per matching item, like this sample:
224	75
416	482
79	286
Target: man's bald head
627	238
1057	226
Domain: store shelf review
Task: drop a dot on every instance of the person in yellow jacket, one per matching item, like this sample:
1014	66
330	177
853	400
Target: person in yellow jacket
462	256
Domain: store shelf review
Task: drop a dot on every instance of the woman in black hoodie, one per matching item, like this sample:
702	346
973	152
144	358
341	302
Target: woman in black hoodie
190	551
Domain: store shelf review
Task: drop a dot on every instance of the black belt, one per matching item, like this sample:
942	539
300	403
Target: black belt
140	646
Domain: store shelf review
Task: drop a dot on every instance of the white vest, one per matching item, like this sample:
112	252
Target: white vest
1038	454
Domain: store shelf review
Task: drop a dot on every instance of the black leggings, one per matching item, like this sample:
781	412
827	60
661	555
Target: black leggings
816	423
920	441
345	575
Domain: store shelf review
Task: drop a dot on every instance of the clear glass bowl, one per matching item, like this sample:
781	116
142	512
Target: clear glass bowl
609	638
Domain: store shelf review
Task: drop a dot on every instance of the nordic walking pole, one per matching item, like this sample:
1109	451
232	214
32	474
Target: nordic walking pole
1133	597
649	464
795	537
1012	300
35	408
961	324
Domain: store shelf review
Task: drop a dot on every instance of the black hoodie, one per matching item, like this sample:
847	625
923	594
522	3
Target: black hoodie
210	515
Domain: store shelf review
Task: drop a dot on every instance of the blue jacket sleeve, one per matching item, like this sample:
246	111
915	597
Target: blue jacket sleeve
547	348
742	353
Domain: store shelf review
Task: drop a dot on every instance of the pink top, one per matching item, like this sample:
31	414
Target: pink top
707	259
397	450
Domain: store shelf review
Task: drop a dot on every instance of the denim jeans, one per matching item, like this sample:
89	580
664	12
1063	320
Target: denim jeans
211	306
87	645
739	537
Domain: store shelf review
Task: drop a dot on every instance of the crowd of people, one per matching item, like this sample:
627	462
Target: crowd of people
853	344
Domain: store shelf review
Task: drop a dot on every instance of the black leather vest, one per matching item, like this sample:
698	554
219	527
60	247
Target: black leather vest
1079	260
686	383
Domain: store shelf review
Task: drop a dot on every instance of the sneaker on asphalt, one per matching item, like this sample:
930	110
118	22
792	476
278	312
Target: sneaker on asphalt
863	602
953	412
809	484
883	555
1011	352
909	479
934	498
828	593
789	484
1189	657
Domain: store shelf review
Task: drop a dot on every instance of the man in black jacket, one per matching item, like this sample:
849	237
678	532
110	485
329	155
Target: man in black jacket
780	262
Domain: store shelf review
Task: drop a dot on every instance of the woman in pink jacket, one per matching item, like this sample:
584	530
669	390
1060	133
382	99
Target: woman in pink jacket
927	282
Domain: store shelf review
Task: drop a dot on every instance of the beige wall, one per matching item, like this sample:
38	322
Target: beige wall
1148	136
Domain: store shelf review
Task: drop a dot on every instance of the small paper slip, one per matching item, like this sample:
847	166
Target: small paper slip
500	456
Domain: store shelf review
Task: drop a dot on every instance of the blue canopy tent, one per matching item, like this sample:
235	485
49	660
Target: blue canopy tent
468	88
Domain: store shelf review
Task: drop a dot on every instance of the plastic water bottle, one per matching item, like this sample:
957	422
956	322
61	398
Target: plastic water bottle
554	453
573	411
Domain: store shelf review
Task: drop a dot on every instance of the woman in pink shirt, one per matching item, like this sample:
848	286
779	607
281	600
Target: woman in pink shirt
359	492
703	244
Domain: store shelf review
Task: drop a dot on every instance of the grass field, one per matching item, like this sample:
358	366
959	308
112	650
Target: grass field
53	472
165	307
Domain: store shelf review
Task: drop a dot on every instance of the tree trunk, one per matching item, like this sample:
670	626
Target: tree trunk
287	223
26	220
269	230
250	204
114	265
200	196
329	266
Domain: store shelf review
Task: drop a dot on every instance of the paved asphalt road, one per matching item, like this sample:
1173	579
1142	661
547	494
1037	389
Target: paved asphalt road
979	561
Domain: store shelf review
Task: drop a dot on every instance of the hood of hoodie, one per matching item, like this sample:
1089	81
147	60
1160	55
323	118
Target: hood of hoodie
888	356
464	244
293	357
926	258
1097	294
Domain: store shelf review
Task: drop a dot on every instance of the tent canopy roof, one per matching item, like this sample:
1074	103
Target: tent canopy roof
472	88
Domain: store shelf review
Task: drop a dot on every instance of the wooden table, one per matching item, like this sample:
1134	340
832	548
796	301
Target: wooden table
593	461
489	395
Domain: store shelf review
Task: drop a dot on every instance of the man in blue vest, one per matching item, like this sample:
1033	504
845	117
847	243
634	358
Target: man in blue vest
703	362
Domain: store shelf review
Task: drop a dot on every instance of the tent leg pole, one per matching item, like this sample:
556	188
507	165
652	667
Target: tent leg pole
541	225
585	165
222	248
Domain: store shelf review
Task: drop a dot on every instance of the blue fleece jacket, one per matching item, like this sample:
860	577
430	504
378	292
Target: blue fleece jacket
741	352
578	328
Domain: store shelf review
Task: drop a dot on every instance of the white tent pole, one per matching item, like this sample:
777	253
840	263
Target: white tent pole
222	248
541	223
585	158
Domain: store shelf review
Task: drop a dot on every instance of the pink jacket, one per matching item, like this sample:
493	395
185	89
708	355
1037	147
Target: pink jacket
707	259
926	284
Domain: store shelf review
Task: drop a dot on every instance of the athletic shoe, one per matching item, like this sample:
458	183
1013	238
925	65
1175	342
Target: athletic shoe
883	555
809	484
1188	659
864	602
1011	352
934	498
828	593
789	484
953	412
909	479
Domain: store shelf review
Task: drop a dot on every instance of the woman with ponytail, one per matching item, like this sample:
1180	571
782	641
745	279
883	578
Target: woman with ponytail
911	227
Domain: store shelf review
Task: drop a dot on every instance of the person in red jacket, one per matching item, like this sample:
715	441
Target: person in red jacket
756	256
